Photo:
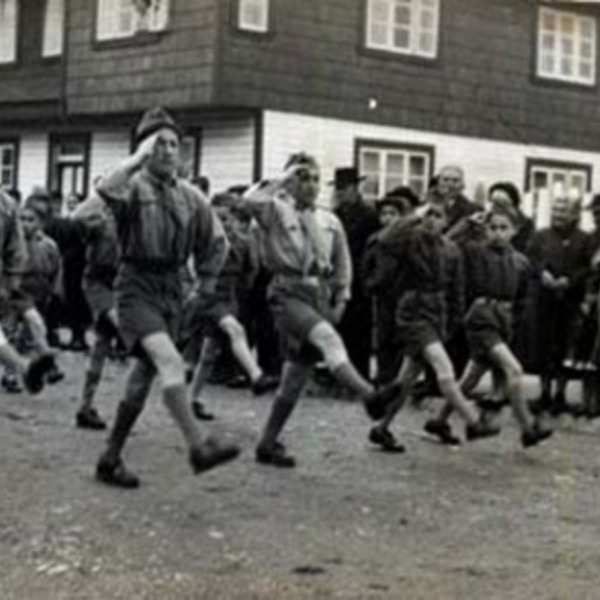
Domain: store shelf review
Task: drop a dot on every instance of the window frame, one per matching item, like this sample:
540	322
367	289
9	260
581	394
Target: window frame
558	79
407	148
398	52
4	64
552	165
85	137
43	53
15	143
135	38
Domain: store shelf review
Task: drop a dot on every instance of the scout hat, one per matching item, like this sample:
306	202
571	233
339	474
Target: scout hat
153	120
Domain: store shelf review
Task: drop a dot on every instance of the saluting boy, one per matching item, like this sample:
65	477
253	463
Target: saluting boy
306	249
162	220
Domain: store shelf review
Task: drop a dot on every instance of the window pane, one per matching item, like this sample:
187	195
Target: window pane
566	67
379	34
403	15
8	30
370	162
393	182
53	28
540	180
402	38
567	24
417	186
585	70
380	10
547	64
567	46
548	42
370	188
426	43
587	28
586	48
548	21
417	165
395	165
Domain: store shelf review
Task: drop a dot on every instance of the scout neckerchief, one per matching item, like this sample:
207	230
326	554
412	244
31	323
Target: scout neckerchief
317	251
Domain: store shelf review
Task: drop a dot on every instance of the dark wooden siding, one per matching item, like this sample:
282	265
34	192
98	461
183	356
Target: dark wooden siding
482	83
31	86
173	68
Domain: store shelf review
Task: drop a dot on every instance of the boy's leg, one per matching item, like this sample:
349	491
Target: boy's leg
206	362
204	454
409	372
240	347
293	379
505	360
531	431
324	337
87	417
110	468
34	321
474	371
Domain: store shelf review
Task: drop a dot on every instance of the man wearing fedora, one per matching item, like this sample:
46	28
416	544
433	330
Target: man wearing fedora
360	221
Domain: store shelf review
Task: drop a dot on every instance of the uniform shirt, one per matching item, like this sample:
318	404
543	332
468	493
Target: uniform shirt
12	246
41	274
288	248
498	273
161	223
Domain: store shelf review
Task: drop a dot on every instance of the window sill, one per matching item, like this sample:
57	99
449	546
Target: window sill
143	38
545	81
390	55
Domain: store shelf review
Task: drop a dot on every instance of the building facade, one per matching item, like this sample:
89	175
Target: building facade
506	88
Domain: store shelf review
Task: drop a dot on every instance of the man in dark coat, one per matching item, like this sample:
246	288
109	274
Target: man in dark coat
360	221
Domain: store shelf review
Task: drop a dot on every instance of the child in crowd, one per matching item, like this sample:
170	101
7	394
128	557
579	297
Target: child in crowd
99	233
495	277
217	312
425	269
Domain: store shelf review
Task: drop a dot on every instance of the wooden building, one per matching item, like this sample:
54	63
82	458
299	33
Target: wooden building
506	88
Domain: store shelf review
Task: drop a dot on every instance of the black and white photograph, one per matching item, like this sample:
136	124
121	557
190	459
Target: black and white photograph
299	299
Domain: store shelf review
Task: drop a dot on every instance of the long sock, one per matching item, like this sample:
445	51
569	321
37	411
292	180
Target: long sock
127	414
175	400
206	363
519	407
347	375
280	413
90	385
293	379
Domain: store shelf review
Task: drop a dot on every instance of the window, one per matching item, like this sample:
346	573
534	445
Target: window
69	164
190	153
118	19
8	31
566	46
546	178
403	26
253	15
54	21
8	163
387	166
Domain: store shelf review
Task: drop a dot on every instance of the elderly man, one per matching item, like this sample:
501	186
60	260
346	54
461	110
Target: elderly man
306	249
560	255
450	187
162	221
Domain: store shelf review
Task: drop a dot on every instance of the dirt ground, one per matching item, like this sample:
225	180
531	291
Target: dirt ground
488	520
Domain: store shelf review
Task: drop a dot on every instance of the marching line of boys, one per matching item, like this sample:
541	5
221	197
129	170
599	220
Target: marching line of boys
145	226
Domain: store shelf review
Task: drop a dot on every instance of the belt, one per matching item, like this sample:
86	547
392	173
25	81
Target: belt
282	278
